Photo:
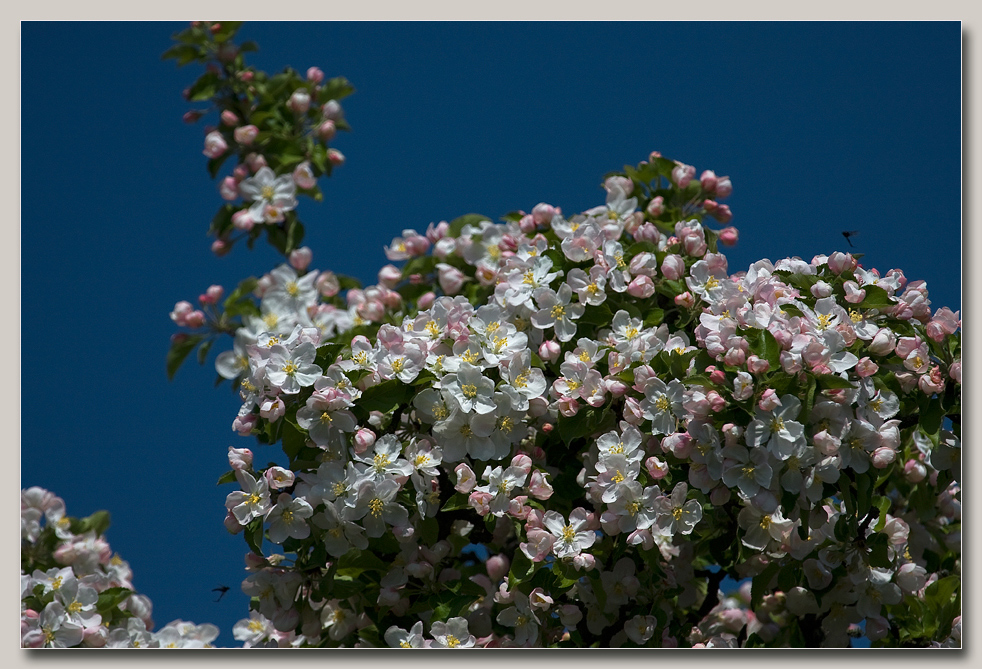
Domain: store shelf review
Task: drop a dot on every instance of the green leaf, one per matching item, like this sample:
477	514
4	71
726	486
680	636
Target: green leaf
932	417
584	423
520	570
761	584
227	477
215	164
456	502
204	88
599	315
254	535
654	317
294	235
293	439
245	287
348	282
457	225
385	396
203	351
335	89
876	298
833	382
98	522
327	354
939	593
864	490
110	598
183	54
180	350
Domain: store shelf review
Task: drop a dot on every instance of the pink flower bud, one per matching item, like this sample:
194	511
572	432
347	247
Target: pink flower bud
278	478
641	287
854	294
928	383
299	102
315	75
242	220
181	311
364	440
883	342
656	207
246	134
232	525
229	189
735	357
615	386
584	562
719	495
914	471
243	425
756	365
723	187
539	485
272	409
821	289
841	262
708	181
883	456
215	144
729	236
229	118
497	566
478	501
390	276
239	458
300	258
192	116
769	400
656	468
523	462
866	367
543	213
195	319
955	371
568	406
723	214
328	284
466	481
632	411
426	300
685	300
549	350
451	279
673	267
220	247
303	176
335	157
327	130
682	174
255	162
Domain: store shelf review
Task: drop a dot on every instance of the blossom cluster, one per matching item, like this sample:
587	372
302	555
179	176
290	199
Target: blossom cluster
796	406
75	592
277	127
567	430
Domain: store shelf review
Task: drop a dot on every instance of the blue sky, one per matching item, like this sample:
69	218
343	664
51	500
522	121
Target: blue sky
822	127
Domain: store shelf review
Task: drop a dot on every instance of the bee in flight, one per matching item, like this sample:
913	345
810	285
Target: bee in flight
221	589
847	235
